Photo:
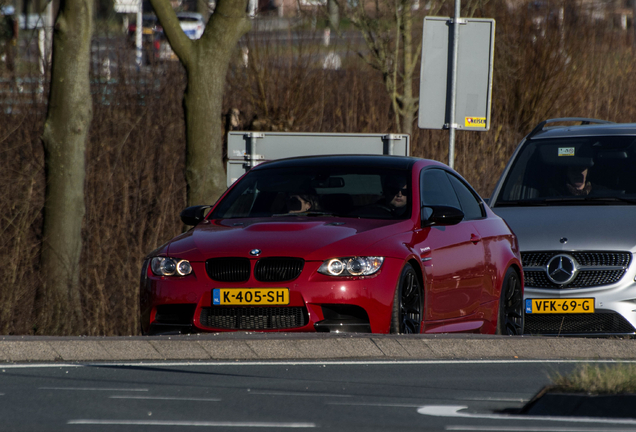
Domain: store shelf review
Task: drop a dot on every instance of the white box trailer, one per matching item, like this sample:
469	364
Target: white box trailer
248	149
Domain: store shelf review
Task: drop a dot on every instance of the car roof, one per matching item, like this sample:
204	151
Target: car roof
375	161
585	130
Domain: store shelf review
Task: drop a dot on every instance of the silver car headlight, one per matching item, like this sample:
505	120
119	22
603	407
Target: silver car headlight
162	266
351	266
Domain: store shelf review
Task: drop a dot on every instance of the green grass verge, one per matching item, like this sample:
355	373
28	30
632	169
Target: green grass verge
597	379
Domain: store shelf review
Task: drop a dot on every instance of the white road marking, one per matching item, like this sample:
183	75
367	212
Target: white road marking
351	362
531	429
454	411
41	365
300	363
259	392
92	389
165	398
375	404
492	399
190	423
380	404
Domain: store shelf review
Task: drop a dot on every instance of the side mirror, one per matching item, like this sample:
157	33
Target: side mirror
195	214
441	216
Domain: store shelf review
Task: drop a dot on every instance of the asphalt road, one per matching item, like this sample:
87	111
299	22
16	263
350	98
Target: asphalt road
334	395
280	381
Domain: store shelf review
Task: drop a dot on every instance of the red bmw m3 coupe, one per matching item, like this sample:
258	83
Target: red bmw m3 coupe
368	244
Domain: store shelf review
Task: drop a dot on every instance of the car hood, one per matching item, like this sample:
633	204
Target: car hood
311	240
584	227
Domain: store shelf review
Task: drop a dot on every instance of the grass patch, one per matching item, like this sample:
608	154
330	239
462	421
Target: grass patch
597	379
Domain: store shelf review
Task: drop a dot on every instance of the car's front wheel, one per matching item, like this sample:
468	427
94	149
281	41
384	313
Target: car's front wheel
510	320
408	303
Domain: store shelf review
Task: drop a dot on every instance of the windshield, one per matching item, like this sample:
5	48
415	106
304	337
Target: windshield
359	192
597	170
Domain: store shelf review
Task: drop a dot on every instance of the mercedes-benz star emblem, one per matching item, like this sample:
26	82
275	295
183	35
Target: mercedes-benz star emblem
561	269
255	252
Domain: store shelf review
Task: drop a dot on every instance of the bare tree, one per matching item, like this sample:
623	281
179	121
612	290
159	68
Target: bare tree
387	28
65	132
394	49
206	61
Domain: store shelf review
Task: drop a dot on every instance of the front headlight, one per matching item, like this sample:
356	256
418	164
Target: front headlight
351	266
162	266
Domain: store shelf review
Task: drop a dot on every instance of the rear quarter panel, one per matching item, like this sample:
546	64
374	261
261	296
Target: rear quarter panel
501	252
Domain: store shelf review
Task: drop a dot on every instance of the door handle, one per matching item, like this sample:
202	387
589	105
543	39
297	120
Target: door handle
475	238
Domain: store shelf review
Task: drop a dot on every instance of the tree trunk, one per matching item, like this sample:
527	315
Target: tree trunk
634	24
203	7
408	102
334	14
203	105
206	61
69	115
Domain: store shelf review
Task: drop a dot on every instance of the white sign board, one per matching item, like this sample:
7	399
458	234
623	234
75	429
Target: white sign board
127	6
474	74
248	149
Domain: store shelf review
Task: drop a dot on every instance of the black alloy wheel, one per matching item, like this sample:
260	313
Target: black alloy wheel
408	303
510	321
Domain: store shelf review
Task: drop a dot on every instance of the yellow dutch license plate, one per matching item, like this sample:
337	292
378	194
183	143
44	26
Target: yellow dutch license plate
559	306
250	296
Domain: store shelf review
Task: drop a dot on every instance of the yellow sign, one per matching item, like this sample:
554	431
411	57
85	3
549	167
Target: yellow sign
479	122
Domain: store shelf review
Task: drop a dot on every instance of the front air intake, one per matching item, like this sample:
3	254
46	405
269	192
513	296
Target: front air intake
254	318
563	324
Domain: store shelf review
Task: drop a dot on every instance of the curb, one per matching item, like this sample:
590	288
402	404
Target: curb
319	346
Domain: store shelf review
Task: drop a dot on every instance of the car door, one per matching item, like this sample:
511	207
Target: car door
474	212
452	256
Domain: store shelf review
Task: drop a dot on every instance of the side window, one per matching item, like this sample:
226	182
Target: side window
436	189
470	204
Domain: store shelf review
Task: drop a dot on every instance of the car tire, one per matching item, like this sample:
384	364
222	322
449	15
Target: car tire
408	303
510	317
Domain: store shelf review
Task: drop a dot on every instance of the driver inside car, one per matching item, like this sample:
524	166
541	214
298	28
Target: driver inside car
301	203
396	195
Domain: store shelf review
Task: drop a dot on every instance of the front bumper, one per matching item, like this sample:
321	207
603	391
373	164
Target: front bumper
615	311
317	303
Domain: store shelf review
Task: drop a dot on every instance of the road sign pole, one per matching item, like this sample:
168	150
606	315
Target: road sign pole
138	34
453	91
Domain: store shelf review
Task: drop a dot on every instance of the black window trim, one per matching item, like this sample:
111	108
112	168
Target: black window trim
479	199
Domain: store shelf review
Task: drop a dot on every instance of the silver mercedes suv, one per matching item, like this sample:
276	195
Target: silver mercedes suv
569	194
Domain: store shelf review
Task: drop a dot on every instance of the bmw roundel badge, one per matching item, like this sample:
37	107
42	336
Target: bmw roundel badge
255	252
